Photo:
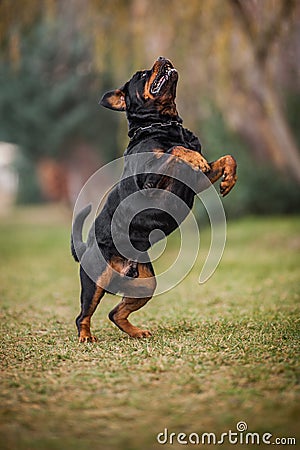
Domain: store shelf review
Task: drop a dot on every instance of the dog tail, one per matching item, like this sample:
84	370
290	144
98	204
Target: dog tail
78	247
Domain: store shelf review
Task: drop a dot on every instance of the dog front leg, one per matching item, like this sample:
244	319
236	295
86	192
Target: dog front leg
191	157
223	167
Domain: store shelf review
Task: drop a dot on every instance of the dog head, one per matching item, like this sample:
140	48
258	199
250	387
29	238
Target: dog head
148	95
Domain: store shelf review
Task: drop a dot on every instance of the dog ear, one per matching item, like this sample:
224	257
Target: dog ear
114	100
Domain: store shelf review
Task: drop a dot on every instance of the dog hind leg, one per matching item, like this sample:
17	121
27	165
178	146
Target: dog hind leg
91	295
119	315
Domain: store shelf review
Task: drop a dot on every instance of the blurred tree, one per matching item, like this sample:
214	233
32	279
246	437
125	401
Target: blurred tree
42	103
230	55
237	56
48	106
16	20
263	28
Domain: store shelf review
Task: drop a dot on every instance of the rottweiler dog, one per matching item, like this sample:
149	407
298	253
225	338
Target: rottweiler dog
160	150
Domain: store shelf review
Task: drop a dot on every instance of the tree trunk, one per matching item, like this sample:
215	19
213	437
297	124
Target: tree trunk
278	137
270	121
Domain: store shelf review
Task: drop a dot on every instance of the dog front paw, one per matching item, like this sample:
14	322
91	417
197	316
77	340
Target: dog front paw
227	183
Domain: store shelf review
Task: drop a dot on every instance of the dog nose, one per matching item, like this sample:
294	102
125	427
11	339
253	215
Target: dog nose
161	58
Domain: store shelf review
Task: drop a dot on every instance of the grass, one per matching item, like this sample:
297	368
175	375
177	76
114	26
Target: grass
222	352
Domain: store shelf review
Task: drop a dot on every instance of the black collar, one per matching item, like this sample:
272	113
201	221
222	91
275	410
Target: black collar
132	133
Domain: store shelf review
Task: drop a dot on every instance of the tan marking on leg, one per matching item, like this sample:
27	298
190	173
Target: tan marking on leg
85	325
226	167
85	331
145	272
102	282
192	158
119	315
158	152
122	311
106	276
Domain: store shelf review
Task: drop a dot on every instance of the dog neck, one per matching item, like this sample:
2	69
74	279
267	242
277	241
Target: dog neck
173	131
136	131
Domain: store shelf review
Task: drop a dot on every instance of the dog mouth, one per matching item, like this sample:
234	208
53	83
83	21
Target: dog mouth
165	73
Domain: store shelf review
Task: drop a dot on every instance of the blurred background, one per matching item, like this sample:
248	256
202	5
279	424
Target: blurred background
239	86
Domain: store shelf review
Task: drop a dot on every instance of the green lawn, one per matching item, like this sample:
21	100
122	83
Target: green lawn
222	352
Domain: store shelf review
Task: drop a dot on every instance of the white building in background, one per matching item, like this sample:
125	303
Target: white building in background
8	176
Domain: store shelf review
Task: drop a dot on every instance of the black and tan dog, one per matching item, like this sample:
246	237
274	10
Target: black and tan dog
155	129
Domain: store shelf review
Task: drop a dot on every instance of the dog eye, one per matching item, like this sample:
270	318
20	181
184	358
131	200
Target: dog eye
144	73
